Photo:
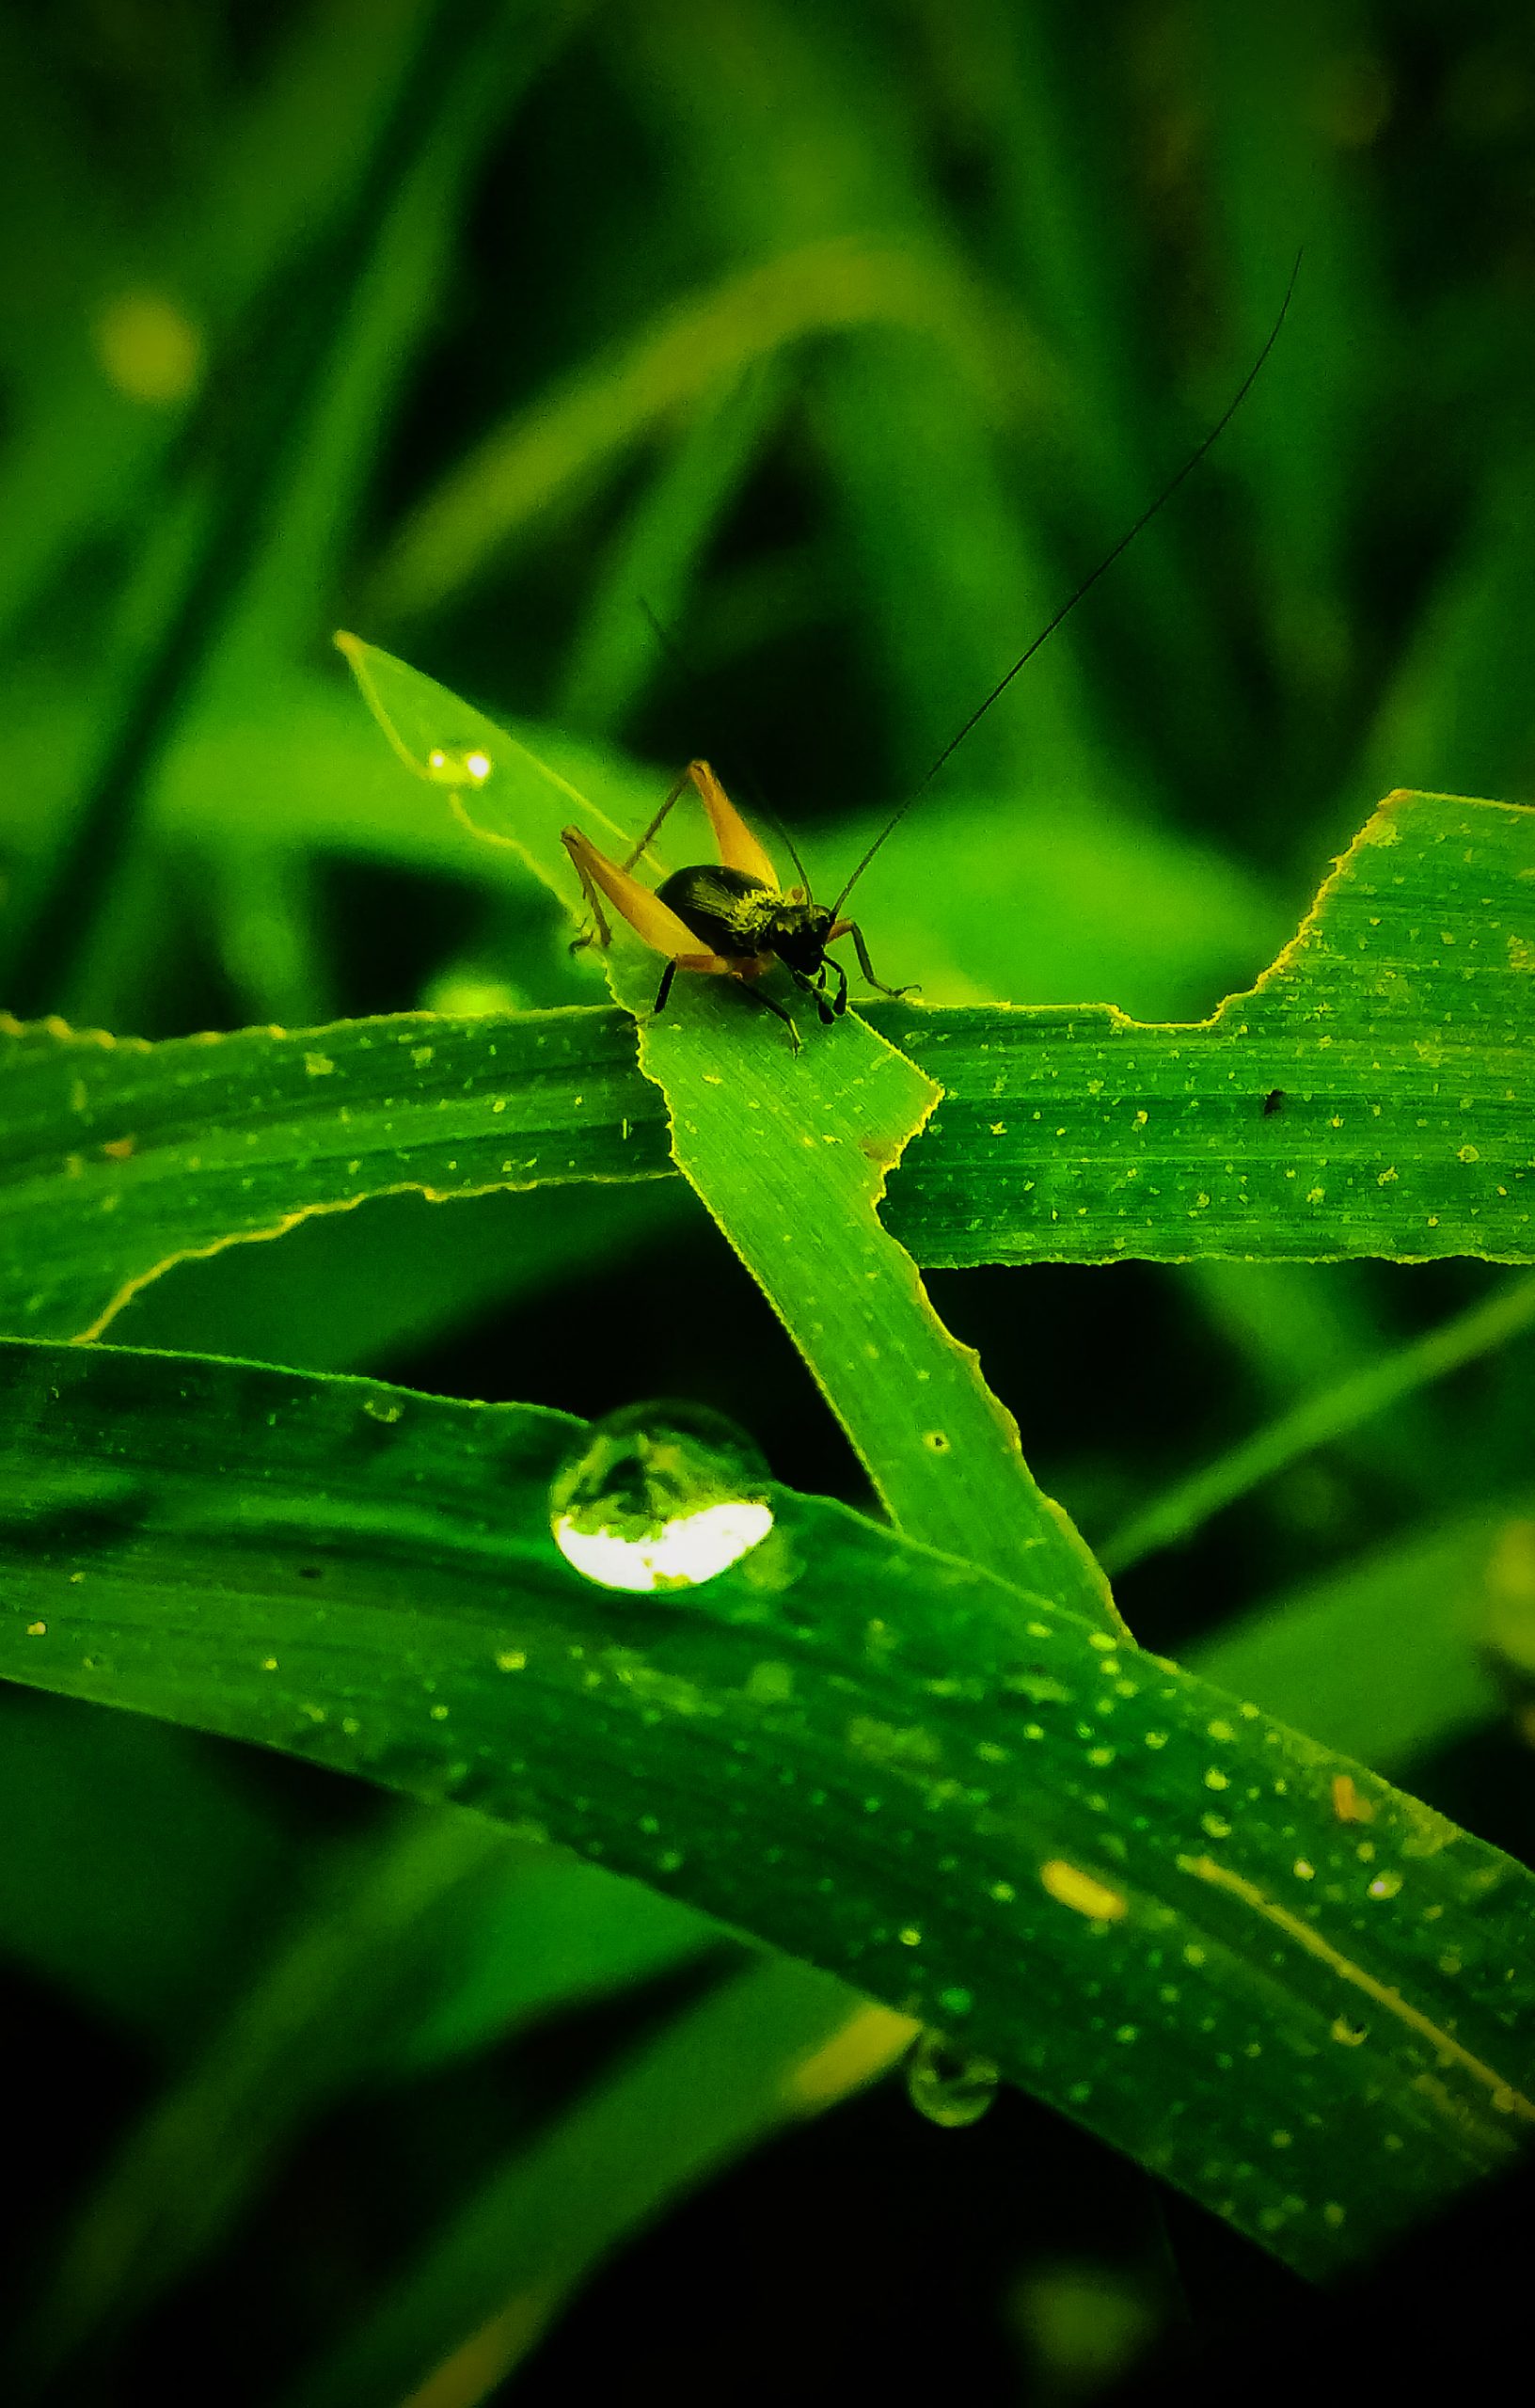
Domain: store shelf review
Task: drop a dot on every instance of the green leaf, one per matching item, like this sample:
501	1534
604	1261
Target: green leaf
433	1936
1319	1419
1384	1657
1371	1096
789	1152
1398	1030
775	2045
121	1157
150	1917
1297	1993
571	436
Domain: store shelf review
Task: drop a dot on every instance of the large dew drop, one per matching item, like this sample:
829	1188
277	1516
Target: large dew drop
948	2084
659	1497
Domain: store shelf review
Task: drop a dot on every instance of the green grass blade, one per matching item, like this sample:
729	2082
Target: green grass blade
437	1934
345	1295
1062	1136
522	469
122	1157
148	1917
777	2044
1371	1096
1138	1897
1384	1659
616	652
1317	1420
789	1153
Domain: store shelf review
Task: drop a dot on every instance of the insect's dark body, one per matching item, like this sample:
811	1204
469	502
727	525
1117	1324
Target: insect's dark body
733	913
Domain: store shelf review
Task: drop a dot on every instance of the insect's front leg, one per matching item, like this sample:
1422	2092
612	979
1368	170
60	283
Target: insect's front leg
851	929
814	988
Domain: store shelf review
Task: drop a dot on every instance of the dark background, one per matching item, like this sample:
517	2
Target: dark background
848	338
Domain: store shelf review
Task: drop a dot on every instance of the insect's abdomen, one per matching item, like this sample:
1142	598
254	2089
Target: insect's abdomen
727	910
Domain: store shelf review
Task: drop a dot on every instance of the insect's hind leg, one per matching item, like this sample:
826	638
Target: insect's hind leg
603	935
674	794
851	929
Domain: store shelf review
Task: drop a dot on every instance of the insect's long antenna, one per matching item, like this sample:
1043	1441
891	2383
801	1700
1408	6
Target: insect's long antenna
1085	587
674	649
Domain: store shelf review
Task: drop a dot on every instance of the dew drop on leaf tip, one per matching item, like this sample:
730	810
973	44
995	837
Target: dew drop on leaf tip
659	1497
948	2084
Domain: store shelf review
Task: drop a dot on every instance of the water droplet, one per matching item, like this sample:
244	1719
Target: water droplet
948	2084
659	1497
458	764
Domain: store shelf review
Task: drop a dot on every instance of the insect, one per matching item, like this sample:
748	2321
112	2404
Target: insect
728	918
731	918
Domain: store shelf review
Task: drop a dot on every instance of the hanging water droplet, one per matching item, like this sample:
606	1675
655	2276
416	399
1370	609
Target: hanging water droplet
659	1497
458	764
948	2084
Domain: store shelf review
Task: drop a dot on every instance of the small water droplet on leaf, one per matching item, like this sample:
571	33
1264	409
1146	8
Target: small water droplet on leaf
948	2084
458	764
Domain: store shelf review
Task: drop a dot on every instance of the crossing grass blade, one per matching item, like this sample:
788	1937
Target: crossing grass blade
1393	1040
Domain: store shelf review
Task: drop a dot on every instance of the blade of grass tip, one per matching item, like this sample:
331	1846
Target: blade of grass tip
1194	1501
789	1152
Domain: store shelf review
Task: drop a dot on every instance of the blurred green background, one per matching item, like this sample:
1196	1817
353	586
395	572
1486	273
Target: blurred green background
843	340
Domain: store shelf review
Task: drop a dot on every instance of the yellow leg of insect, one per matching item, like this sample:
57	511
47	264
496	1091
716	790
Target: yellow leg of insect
736	845
851	929
733	841
646	914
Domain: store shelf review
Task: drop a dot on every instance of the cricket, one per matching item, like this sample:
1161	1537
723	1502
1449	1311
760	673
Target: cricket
730	918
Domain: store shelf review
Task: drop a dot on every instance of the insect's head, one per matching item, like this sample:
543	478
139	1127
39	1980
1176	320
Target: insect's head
801	933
